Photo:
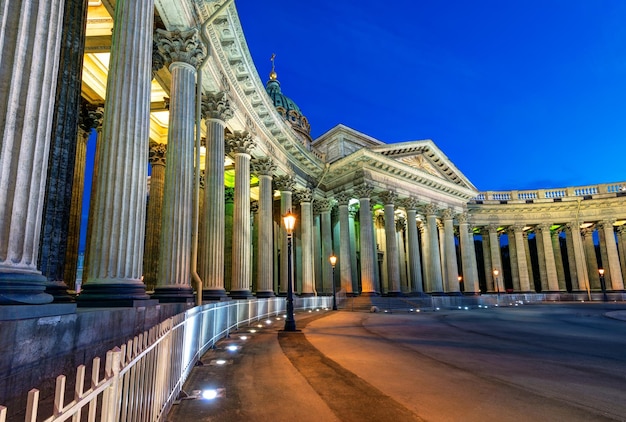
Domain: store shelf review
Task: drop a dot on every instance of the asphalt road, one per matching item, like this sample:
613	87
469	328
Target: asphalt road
528	363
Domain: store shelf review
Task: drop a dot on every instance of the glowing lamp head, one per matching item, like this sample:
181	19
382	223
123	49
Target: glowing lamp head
290	222
333	260
496	272
601	271
460	278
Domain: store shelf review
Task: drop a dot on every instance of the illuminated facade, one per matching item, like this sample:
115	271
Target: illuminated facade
402	219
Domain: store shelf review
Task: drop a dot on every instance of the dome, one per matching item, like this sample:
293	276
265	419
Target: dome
288	109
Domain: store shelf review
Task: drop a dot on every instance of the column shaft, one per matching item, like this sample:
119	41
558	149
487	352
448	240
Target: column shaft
115	260
434	256
415	266
391	245
241	228
496	259
522	260
30	40
264	169
452	272
571	259
368	266
617	283
552	281
345	261
154	218
468	256
306	232
592	260
558	260
487	260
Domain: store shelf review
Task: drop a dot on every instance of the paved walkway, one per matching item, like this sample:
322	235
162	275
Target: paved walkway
338	368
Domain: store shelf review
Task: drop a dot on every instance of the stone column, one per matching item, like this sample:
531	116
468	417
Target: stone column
571	259
216	110
522	259
345	260
442	254
64	149
558	260
286	185
368	266
510	234
305	196
529	262
617	282
241	144
380	239
579	256
264	168
352	212
413	251
30	37
115	261
468	255
621	237
592	260
183	52
434	257
391	246
90	117
496	257
552	281
423	229
543	272
229	208
325	206
156	156
486	244
317	248
604	258
254	241
400	242
200	267
452	272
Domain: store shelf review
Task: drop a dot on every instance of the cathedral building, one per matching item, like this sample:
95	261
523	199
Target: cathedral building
172	86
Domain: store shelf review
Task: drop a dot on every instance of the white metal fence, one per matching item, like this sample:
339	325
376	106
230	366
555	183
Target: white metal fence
141	379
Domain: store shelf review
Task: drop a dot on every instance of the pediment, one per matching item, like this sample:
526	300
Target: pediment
427	157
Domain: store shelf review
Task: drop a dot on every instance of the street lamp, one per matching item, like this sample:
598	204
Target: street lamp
602	284
333	261
495	280
290	222
461	282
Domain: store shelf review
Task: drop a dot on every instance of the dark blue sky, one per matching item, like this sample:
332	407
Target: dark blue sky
518	94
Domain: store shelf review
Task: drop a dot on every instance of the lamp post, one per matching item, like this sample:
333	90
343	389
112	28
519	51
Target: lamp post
290	222
333	261
495	281
602	284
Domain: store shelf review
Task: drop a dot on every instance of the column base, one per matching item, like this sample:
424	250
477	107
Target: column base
307	294
26	288
240	294
59	292
454	294
214	294
265	294
471	293
394	294
370	294
437	293
112	295
174	295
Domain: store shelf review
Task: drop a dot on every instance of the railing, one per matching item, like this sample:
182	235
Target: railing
554	193
142	378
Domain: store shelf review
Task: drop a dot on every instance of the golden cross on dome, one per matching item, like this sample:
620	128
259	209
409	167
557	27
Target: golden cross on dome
273	72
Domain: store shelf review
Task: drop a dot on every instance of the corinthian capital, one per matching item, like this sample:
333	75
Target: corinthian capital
463	218
90	116
304	195
430	209
156	154
388	197
284	183
323	205
343	198
364	191
239	142
180	46
447	214
263	166
216	106
409	203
